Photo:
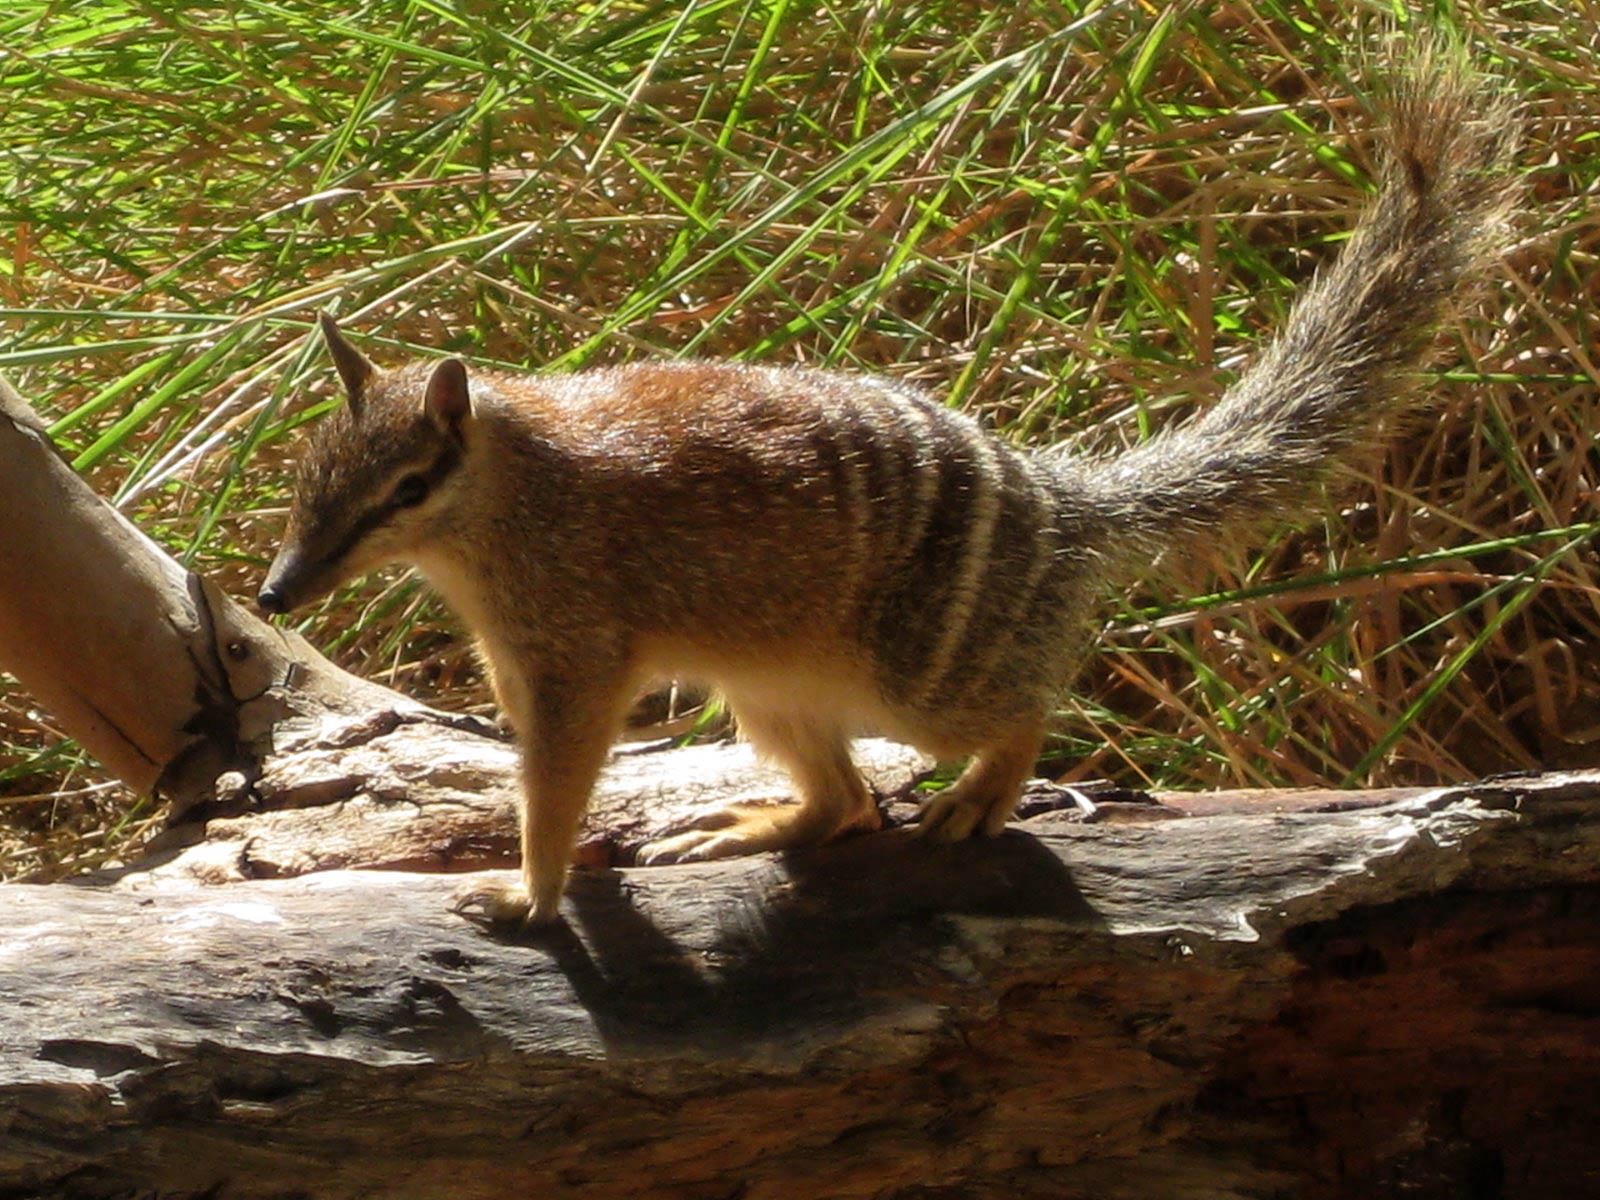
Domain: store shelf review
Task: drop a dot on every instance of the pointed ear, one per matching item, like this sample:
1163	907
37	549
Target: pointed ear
353	367
448	402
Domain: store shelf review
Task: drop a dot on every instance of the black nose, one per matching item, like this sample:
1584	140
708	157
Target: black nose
270	600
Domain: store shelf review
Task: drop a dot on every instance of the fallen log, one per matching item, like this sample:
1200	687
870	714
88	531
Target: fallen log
1398	999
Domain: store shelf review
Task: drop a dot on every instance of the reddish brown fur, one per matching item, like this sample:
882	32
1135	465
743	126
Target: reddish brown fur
839	552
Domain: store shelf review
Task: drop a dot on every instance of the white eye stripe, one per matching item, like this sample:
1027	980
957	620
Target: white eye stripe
416	485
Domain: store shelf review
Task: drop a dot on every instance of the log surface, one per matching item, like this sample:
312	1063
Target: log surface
1395	998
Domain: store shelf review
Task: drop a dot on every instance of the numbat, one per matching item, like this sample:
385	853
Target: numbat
838	552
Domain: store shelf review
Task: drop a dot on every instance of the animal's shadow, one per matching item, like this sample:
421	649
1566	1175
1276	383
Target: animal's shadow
772	953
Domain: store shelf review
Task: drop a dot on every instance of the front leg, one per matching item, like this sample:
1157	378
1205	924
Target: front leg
566	712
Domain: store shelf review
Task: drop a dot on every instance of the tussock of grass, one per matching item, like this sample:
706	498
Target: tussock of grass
1076	218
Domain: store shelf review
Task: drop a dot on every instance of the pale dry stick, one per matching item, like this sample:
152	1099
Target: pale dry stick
208	433
187	452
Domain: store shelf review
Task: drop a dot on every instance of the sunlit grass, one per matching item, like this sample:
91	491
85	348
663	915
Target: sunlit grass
1075	218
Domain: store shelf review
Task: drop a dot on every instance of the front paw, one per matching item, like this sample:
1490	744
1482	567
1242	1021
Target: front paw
950	816
504	906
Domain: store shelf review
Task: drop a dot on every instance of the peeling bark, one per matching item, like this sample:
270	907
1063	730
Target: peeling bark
163	678
1242	1004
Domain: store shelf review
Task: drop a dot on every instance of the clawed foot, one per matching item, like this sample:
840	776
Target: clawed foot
956	813
725	833
746	829
505	906
695	845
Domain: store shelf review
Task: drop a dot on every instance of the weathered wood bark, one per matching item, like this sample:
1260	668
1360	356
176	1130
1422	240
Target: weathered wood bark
160	676
1240	996
1399	1000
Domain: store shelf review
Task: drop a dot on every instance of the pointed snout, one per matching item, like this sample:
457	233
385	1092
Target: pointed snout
285	585
272	599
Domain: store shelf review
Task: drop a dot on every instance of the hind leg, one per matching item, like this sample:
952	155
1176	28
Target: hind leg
833	796
986	794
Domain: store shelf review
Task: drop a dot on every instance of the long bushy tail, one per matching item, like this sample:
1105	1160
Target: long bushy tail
1346	358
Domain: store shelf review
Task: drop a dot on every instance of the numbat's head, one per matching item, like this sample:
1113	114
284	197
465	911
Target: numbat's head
379	477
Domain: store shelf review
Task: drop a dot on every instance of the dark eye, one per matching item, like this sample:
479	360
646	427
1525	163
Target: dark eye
410	492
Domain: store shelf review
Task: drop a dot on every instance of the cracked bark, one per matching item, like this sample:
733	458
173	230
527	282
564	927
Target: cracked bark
1240	995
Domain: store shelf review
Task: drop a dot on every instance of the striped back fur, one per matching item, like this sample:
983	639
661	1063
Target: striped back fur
713	516
837	551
